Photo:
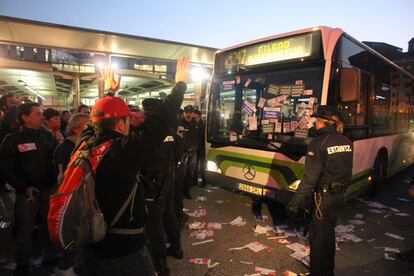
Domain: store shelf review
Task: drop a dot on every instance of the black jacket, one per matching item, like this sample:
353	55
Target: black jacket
26	159
191	135
117	172
328	159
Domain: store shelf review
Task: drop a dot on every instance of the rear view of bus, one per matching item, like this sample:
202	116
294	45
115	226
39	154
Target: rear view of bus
262	96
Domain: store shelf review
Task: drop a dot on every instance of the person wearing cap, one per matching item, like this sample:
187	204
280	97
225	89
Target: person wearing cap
188	165
116	175
328	169
158	182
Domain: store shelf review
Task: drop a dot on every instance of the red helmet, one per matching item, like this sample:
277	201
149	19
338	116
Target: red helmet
109	107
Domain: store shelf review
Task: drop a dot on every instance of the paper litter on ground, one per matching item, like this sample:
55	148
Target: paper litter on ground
371	240
402	214
201	198
239	221
376	205
202	261
213	265
196	225
247	263
209	191
375	211
202	234
254	246
390	249
202	242
403	199
214	225
394	236
387	257
263	229
289	273
198	213
359	216
265	271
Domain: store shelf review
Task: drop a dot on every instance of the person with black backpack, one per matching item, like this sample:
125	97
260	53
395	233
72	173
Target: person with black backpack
114	156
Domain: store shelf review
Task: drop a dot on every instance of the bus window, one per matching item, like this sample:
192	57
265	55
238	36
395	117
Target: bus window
287	96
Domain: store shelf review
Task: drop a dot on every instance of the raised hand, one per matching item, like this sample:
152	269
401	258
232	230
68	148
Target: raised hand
181	74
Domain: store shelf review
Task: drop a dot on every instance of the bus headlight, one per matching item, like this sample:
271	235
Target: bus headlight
294	186
212	167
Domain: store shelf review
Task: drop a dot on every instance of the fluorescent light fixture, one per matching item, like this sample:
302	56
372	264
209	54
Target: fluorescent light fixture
30	89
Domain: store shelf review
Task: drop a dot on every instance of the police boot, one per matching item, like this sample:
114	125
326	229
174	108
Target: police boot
161	266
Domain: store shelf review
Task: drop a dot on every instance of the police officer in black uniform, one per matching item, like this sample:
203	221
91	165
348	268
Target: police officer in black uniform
158	182
328	168
191	143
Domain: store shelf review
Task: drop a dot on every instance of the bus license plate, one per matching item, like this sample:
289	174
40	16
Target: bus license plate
250	189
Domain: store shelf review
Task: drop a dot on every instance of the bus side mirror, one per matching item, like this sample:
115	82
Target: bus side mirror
349	84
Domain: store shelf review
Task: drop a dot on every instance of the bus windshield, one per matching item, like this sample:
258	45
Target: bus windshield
263	108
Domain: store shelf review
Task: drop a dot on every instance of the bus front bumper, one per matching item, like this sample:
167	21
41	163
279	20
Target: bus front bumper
248	188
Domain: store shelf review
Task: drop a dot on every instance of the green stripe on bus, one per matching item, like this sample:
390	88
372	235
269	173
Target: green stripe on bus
297	168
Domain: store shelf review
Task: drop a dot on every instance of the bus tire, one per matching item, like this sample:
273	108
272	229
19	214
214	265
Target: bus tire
379	173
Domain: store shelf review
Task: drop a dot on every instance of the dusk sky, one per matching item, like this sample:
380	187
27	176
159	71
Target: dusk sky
227	22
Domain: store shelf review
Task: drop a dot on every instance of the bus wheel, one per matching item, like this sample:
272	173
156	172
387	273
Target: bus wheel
380	175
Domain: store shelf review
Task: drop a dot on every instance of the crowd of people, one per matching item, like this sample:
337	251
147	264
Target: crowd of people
160	147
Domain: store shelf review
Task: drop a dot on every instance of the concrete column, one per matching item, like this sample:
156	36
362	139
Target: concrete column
77	96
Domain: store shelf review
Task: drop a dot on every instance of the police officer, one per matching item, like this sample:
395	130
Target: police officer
191	143
328	168
158	182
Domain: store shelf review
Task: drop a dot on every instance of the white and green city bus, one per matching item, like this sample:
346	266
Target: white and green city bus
262	94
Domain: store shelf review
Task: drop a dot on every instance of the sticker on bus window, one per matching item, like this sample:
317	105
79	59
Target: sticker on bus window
261	103
303	123
233	136
297	89
301	133
253	123
307	92
286	127
273	89
293	125
285	89
269	128
278	127
299	82
228	85
249	108
311	122
247	83
311	102
271	113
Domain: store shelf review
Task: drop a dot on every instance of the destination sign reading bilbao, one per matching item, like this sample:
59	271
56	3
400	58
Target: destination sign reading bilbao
271	51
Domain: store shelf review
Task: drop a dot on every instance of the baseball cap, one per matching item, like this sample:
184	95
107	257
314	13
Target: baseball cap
326	112
189	108
109	107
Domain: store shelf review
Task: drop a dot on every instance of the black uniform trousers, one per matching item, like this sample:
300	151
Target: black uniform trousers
190	166
322	236
161	221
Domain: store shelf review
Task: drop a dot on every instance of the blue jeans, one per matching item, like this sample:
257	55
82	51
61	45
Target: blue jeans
137	263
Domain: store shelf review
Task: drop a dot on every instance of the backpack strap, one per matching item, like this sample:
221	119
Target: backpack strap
126	231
